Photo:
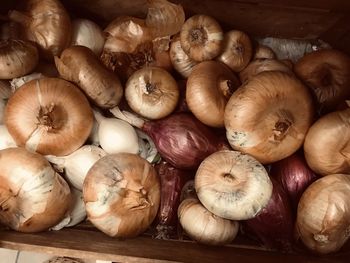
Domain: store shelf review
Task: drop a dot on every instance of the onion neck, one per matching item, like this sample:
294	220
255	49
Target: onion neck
20	18
49	117
128	117
226	87
281	129
198	36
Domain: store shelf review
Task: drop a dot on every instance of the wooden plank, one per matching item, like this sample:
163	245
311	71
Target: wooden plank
96	245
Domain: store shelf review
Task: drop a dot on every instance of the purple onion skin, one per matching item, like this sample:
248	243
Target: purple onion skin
182	140
294	176
274	225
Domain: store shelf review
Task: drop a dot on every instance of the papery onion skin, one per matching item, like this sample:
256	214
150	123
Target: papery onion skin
327	73
6	140
201	38
327	146
205	227
81	66
172	181
232	185
268	117
323	219
17	58
49	116
87	33
209	87
47	23
237	50
260	65
33	196
274	224
294	175
152	92
122	195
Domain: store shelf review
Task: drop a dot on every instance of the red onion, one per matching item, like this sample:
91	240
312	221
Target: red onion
181	139
294	176
172	181
274	224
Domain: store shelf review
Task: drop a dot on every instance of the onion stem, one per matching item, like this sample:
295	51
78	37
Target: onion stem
128	117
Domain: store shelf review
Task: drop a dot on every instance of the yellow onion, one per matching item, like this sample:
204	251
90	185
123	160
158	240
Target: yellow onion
205	227
323	219
268	117
17	58
260	65
263	52
233	185
179	59
237	50
47	23
201	38
327	73
33	196
122	194
81	66
327	147
152	92
209	87
49	116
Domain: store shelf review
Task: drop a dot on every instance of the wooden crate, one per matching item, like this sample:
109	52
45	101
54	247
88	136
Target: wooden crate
325	19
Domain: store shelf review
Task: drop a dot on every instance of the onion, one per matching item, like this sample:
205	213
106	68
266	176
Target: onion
327	147
46	23
172	181
260	65
2	109
181	139
122	195
81	66
147	149
209	87
42	113
6	140
77	164
33	196
263	52
87	33
268	117
201	38
5	90
274	224
237	50
16	83
327	73
323	219
205	227
232	185
294	175
152	92
116	136
76	212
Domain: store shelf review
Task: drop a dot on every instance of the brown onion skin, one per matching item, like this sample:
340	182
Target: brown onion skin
294	175
182	140
275	222
327	74
172	181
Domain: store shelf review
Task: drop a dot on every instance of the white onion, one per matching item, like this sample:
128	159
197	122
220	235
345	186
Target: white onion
76	213
77	164
6	140
116	135
89	34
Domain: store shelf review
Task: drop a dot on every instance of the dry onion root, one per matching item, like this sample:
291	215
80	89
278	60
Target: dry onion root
237	50
323	219
33	196
327	144
201	38
269	116
261	65
81	66
122	195
17	58
152	92
233	185
49	116
205	227
209	87
46	23
327	73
